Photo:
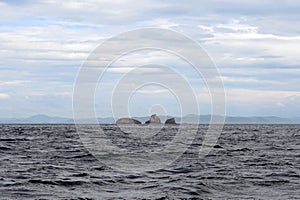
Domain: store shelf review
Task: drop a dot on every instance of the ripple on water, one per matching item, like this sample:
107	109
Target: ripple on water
248	162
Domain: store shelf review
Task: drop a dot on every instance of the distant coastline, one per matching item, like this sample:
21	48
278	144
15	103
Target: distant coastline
192	119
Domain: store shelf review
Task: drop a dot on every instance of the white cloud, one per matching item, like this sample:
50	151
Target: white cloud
260	96
227	79
153	91
237	42
38	36
45	94
96	12
163	23
56	43
14	83
133	69
4	96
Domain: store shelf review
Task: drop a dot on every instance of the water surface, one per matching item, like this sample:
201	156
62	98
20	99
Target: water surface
249	161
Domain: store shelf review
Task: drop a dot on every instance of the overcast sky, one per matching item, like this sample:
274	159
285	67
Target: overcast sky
255	45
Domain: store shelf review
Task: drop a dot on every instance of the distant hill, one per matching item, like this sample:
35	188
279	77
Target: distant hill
204	119
37	119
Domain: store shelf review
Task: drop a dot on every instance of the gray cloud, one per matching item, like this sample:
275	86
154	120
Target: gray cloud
45	42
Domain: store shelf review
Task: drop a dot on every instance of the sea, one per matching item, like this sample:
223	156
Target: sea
254	161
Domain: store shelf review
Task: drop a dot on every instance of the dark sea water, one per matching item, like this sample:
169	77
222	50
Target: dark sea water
249	162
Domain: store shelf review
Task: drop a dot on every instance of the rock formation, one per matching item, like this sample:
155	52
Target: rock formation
127	121
170	121
153	119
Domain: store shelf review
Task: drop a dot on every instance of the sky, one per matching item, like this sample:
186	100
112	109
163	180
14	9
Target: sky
254	44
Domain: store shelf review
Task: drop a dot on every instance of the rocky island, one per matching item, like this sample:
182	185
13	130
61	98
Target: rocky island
154	119
128	121
171	121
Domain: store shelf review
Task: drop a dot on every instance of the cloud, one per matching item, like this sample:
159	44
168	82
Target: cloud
4	96
45	94
134	69
265	102
152	91
96	12
238	42
255	45
260	96
14	83
248	80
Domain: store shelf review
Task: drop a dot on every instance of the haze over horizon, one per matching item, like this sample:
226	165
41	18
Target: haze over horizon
254	44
